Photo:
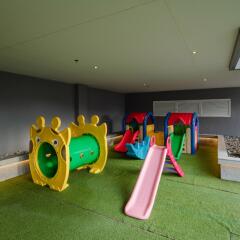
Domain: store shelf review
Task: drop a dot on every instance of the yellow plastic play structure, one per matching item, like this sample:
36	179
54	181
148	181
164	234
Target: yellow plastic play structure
53	153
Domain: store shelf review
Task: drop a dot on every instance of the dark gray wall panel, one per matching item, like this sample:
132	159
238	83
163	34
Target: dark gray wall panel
110	106
220	125
83	99
22	99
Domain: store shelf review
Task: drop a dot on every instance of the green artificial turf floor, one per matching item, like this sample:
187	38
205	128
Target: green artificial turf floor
198	206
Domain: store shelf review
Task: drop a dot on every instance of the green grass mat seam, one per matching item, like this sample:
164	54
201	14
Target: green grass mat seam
198	206
146	228
202	186
234	236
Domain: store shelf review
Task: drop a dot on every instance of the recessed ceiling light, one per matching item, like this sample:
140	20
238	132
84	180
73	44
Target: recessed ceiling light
145	84
194	52
95	67
205	79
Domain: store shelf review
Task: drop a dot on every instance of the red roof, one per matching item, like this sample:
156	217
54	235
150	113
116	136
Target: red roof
185	118
137	116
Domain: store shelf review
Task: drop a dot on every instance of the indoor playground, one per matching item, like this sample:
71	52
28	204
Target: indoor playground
120	120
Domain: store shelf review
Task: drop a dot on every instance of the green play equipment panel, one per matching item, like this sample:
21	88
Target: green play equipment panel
177	142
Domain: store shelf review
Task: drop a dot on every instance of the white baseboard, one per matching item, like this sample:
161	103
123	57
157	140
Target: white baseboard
230	172
13	169
230	166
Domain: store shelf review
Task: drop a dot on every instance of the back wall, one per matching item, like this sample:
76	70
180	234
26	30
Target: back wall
22	99
110	106
208	125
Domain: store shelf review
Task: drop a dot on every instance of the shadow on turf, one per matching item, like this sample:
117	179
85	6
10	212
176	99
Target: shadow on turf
208	161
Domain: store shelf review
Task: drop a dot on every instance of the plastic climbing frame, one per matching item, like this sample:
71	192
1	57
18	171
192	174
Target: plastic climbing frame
54	153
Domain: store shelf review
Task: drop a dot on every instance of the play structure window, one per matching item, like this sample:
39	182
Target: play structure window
180	128
47	160
133	125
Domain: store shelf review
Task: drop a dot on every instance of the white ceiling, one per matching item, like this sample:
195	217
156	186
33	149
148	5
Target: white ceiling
133	42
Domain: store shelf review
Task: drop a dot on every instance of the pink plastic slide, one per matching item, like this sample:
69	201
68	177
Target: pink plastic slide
142	199
143	196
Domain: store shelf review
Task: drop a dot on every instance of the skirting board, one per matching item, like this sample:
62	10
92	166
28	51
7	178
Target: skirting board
230	172
230	166
13	170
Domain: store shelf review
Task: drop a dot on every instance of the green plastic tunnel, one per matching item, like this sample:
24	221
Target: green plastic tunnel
83	150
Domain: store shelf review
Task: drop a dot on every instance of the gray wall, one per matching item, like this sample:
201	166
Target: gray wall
110	106
226	126
23	98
